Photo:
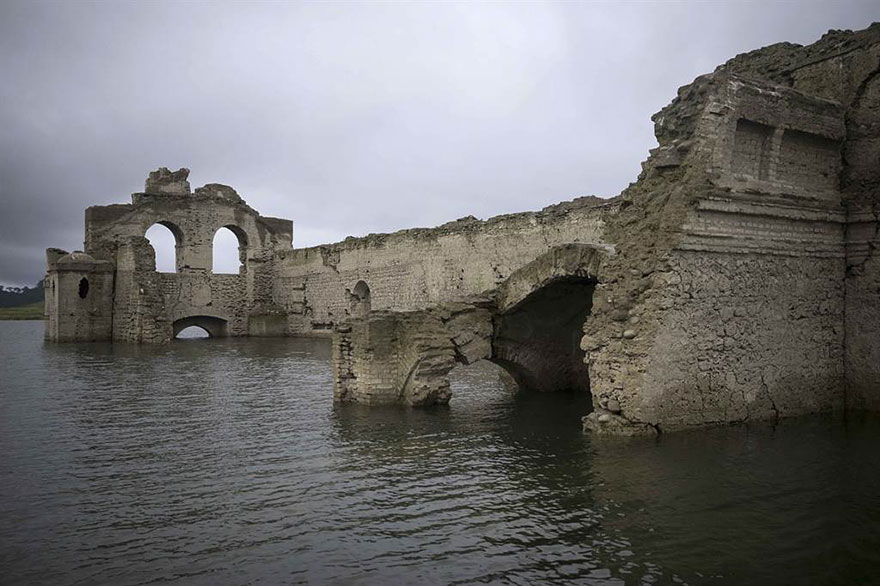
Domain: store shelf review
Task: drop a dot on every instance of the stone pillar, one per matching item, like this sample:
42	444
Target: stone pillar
388	357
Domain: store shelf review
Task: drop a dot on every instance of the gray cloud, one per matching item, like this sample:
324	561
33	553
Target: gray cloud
349	118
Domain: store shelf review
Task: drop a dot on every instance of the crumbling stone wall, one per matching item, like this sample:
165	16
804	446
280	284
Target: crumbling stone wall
739	277
413	269
862	194
530	325
745	250
731	206
736	300
143	305
845	67
745	337
139	298
404	357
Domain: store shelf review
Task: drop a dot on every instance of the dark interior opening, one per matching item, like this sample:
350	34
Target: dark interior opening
360	299
83	288
538	340
215	327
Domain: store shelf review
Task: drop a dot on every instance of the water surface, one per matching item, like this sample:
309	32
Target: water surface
226	462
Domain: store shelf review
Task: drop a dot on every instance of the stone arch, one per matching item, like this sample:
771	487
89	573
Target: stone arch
541	309
177	233
561	262
242	239
360	299
216	327
531	326
406	356
538	340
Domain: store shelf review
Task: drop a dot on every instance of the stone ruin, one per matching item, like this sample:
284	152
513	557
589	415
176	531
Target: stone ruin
128	300
735	280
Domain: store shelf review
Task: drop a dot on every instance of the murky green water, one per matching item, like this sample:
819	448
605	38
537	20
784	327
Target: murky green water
226	462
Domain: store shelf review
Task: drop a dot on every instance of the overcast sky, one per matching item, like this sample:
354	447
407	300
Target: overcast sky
349	118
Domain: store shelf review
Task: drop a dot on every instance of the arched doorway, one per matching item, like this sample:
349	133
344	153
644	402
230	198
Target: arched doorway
359	298
229	250
165	239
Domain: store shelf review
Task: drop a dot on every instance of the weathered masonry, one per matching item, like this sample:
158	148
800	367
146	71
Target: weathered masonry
736	279
113	292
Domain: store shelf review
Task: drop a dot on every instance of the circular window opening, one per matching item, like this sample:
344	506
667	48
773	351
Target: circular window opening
83	288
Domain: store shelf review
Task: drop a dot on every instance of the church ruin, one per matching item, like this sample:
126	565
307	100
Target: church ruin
737	279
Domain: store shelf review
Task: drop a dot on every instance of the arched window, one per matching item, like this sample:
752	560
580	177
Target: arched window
83	288
165	238
229	250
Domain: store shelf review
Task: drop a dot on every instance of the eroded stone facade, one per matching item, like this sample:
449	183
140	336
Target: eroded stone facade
748	242
736	279
139	304
531	325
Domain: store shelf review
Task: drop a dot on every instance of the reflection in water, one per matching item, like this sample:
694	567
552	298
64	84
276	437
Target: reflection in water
192	333
225	461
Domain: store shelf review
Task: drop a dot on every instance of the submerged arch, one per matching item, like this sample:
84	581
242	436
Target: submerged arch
216	327
531	326
192	333
542	309
538	340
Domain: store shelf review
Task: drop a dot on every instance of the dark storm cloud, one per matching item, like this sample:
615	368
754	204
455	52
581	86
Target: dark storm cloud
348	118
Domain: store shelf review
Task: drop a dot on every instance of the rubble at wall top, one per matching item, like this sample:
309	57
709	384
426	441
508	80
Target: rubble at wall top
163	182
777	64
171	190
472	224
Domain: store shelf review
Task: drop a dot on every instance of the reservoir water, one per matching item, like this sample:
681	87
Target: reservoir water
226	462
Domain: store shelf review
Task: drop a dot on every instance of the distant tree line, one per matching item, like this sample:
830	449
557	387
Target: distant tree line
15	296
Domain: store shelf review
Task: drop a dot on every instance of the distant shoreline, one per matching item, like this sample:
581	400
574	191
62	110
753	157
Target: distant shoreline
31	311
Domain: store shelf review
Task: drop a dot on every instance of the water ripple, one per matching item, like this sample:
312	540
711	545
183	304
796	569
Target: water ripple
226	462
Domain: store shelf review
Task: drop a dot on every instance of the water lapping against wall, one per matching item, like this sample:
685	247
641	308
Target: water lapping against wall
226	462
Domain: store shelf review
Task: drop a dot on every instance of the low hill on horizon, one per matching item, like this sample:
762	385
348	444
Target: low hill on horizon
22	312
18	296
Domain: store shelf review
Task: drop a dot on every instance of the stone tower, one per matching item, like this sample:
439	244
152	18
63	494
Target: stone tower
79	297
